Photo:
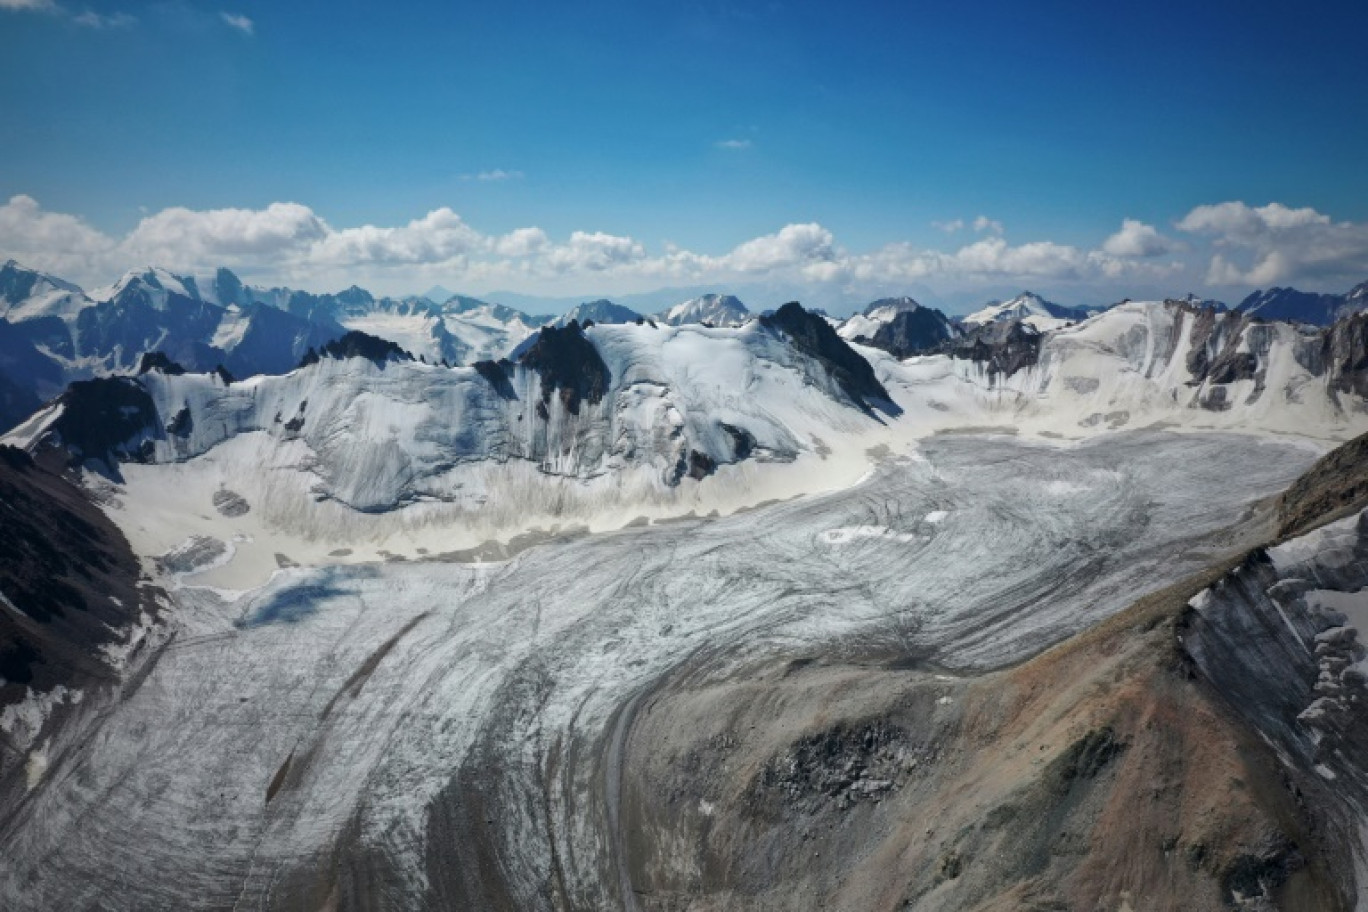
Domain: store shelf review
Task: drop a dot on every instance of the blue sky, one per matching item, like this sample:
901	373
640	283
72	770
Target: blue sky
693	127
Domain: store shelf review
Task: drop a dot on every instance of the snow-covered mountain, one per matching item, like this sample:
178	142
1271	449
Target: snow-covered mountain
1138	361
26	294
878	313
597	425
713	309
600	311
1031	309
901	327
56	333
1305	306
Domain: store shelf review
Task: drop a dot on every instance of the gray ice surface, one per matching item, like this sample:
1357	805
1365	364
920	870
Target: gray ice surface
365	700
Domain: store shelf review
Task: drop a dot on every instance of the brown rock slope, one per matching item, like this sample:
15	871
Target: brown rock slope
1105	773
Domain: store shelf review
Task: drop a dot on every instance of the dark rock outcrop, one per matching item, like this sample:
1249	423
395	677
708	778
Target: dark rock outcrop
912	332
105	420
496	374
1005	347
569	363
27	375
155	360
1344	351
1335	486
813	336
357	344
70	577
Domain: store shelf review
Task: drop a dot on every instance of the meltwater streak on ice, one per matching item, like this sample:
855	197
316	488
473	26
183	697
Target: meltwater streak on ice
269	749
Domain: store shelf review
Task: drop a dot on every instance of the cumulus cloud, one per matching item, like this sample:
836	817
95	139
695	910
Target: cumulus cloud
1136	239
792	245
1271	244
288	242
949	227
50	240
439	236
94	20
493	176
594	252
521	242
239	22
734	145
984	223
36	5
186	237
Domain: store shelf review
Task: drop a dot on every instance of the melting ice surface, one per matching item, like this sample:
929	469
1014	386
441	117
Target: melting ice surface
336	706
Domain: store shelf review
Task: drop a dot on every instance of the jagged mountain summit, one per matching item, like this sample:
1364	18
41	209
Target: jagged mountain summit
876	314
26	294
902	327
713	309
1030	308
1306	307
599	311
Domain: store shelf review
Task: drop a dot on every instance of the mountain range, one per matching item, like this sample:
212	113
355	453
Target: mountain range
336	601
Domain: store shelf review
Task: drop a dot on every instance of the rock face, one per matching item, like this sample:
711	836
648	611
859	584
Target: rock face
70	602
27	375
813	336
1278	640
356	344
568	364
924	330
1002	347
106	421
1336	485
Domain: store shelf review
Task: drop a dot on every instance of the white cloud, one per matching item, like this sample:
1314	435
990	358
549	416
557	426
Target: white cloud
289	243
521	242
239	22
494	175
984	223
439	236
35	5
949	227
94	20
792	245
1136	239
1274	244
63	244
734	145
185	238
594	252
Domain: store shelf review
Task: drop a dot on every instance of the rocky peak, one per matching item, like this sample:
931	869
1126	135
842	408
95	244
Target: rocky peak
915	331
1003	346
569	363
357	344
813	336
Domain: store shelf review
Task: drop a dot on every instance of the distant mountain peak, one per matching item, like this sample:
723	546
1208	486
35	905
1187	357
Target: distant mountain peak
598	311
714	308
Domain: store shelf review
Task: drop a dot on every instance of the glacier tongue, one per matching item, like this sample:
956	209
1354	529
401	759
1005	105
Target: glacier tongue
376	729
